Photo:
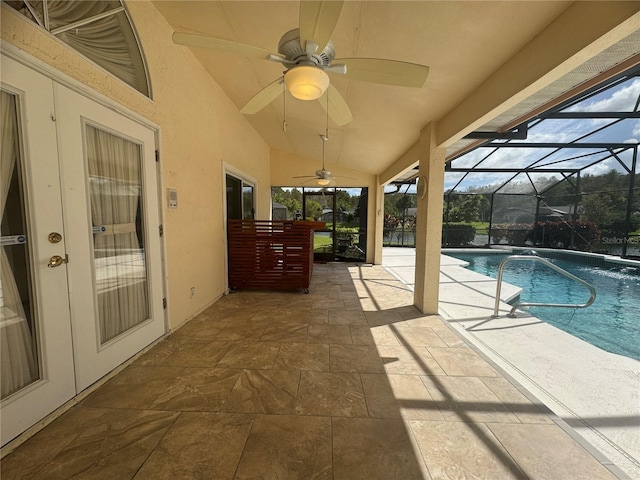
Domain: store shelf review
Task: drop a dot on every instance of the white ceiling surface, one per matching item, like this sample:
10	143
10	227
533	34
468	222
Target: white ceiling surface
463	43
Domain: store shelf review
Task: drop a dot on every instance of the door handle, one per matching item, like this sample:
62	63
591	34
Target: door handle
56	261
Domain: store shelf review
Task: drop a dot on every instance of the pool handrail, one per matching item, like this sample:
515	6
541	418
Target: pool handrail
546	262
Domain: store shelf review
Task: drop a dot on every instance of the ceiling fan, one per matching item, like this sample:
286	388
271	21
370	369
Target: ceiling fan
323	176
307	54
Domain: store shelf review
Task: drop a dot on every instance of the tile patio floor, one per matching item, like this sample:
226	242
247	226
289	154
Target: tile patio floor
349	382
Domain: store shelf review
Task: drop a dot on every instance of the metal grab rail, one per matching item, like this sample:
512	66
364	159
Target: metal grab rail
531	304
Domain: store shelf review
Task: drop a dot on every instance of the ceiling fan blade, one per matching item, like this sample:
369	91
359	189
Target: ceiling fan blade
318	20
227	46
387	72
305	176
264	97
339	111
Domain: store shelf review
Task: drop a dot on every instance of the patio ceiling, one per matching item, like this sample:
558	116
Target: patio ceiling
473	49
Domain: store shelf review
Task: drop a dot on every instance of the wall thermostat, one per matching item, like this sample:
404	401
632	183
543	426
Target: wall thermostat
172	197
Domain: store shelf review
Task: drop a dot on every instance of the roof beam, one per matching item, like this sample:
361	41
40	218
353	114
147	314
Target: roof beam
582	31
572	115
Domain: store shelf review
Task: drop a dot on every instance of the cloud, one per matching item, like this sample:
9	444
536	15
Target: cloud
620	99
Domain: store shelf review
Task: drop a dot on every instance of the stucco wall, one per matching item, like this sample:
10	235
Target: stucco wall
285	166
199	130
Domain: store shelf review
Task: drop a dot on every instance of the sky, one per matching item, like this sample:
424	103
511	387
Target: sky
621	98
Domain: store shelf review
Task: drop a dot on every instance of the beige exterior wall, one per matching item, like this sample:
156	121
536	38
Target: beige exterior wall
285	166
199	131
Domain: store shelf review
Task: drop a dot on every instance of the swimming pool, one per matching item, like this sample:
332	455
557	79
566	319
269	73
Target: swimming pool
611	323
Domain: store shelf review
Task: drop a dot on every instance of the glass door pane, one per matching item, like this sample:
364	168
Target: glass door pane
247	202
351	224
234	198
17	313
320	206
119	243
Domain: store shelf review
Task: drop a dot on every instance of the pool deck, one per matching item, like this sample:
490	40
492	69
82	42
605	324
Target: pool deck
595	393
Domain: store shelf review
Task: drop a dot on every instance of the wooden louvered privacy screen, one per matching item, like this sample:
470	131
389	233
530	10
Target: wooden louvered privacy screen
271	254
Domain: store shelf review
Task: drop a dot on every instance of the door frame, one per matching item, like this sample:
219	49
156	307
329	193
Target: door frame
228	169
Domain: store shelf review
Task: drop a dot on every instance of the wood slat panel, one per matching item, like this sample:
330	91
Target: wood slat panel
271	254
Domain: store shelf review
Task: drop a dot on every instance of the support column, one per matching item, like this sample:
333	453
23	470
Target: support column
429	221
379	222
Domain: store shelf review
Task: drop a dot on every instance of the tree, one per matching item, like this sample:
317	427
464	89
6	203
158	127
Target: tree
404	202
288	199
313	210
466	208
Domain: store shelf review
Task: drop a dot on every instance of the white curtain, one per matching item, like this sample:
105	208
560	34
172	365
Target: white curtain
18	367
115	186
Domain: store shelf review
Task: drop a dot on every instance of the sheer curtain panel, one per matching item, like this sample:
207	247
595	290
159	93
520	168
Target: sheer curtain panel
19	366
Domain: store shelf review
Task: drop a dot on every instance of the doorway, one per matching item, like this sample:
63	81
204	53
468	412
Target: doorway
344	210
81	260
320	206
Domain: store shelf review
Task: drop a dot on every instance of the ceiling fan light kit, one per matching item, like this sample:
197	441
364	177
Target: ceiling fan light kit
323	182
307	53
305	82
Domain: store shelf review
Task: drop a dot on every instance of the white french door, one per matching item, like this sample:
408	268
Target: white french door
112	225
81	276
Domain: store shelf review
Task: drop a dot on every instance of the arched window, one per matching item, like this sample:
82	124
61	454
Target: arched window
100	30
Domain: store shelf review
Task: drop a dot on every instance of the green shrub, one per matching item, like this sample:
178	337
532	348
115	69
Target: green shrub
558	234
457	234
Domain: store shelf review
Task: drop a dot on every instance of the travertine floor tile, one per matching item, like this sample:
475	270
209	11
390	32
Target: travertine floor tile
383	317
113	447
46	444
545	451
310	316
373	448
467	399
185	352
399	396
400	359
448	336
264	391
463	450
198	389
462	361
355	358
417	336
285	333
250	355
331	394
199	330
135	387
268	315
329	334
515	401
234	331
381	335
328	304
284	447
199	446
347	317
302	356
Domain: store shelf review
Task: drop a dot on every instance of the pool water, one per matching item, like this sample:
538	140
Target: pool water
612	322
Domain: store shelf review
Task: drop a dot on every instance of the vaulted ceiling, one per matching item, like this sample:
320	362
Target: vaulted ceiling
490	64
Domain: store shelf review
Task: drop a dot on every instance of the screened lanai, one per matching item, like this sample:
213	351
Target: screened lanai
566	178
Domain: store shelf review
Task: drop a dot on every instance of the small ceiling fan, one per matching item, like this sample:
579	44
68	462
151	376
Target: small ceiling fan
323	176
307	54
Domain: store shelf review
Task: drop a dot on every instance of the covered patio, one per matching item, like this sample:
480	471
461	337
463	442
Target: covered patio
348	382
